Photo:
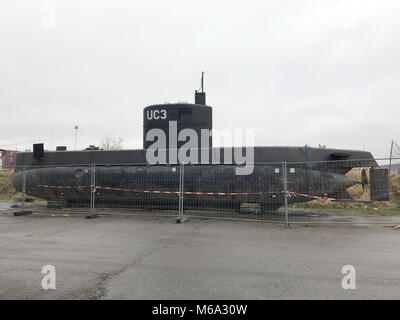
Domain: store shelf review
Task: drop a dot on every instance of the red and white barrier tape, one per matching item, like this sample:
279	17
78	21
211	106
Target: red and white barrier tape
290	193
315	197
159	191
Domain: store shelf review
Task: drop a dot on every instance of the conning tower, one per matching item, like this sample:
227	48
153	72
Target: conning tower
173	118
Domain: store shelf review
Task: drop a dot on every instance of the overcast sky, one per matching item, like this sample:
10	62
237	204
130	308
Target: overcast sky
298	72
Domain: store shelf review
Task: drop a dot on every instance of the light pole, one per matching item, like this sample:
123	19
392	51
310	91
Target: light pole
391	153
76	135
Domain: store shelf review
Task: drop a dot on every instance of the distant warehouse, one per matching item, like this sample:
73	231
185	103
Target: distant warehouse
7	159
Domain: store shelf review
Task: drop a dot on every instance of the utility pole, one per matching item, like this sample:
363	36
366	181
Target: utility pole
51	139
30	139
391	153
76	135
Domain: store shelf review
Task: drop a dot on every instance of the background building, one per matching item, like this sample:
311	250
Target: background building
7	159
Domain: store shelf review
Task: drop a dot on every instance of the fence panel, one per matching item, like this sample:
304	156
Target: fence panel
351	192
217	191
48	187
356	191
137	188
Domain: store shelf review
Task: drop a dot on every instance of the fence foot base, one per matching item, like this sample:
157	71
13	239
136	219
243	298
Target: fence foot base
91	216
181	219
22	213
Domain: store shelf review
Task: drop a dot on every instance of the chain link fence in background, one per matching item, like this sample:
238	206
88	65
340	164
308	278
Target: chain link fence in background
332	191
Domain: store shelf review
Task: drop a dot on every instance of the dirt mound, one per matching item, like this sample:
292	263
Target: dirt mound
357	192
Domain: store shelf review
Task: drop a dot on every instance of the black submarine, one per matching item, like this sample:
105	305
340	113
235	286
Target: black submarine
150	177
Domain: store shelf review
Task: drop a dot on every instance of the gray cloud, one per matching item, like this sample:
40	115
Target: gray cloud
299	72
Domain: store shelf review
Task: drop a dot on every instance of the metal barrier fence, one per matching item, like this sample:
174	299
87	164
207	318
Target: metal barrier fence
279	192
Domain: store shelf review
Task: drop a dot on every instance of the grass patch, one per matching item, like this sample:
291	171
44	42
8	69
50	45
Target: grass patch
7	191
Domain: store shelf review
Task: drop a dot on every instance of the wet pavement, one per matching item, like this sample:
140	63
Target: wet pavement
144	257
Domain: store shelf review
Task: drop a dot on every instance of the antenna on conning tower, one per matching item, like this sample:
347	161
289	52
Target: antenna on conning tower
202	82
200	95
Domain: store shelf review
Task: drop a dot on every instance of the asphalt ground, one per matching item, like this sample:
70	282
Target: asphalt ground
144	257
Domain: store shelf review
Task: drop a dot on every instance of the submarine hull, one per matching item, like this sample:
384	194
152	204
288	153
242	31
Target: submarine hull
158	186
